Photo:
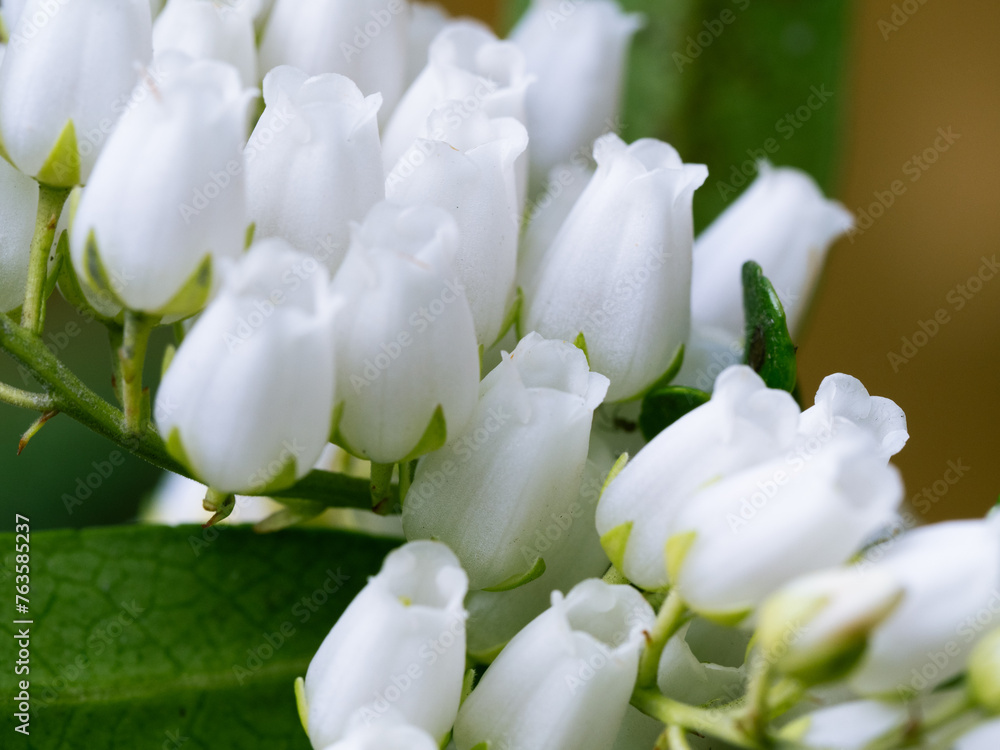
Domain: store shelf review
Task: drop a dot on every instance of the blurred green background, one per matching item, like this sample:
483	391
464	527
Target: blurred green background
893	78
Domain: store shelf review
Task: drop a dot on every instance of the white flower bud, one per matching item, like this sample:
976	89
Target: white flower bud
468	69
950	573
984	737
984	672
206	29
847	726
816	628
364	40
400	737
427	20
519	464
579	53
739	539
841	400
564	682
397	654
619	271
18	206
314	163
546	215
68	69
167	198
407	358
247	402
743	424
782	222
469	171
572	552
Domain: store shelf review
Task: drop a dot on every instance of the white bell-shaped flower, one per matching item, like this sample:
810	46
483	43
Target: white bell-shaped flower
572	551
564	682
950	573
842	399
578	51
401	737
469	171
619	272
66	77
704	663
742	537
984	737
18	206
407	357
205	29
847	726
468	70
364	40
314	163
784	223
517	466
247	401
397	654
744	424
167	199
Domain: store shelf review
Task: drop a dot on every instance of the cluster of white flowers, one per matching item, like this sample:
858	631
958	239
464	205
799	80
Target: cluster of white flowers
419	203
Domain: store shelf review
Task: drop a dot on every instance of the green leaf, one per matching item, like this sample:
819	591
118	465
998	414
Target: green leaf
143	634
769	348
662	408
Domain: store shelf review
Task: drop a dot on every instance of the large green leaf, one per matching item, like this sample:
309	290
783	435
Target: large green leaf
757	62
142	636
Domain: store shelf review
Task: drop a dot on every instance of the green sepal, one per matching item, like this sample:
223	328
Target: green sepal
726	619
61	257
468	680
175	447
666	378
519	579
4	154
96	273
69	284
676	551
282	480
434	437
614	543
581	344
62	167
663	407
248	238
616	469
302	704
488	656
769	348
512	318
168	357
795	731
481	746
337	438
193	295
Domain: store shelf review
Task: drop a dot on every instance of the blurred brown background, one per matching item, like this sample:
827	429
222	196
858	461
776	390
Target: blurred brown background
940	68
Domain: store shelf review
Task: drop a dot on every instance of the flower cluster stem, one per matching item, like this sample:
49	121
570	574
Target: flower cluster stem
717	722
70	396
50	205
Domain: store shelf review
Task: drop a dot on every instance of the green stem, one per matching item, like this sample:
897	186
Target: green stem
116	337
755	714
138	328
672	615
26	399
673	738
783	696
50	204
910	732
404	480
381	486
71	397
719	723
